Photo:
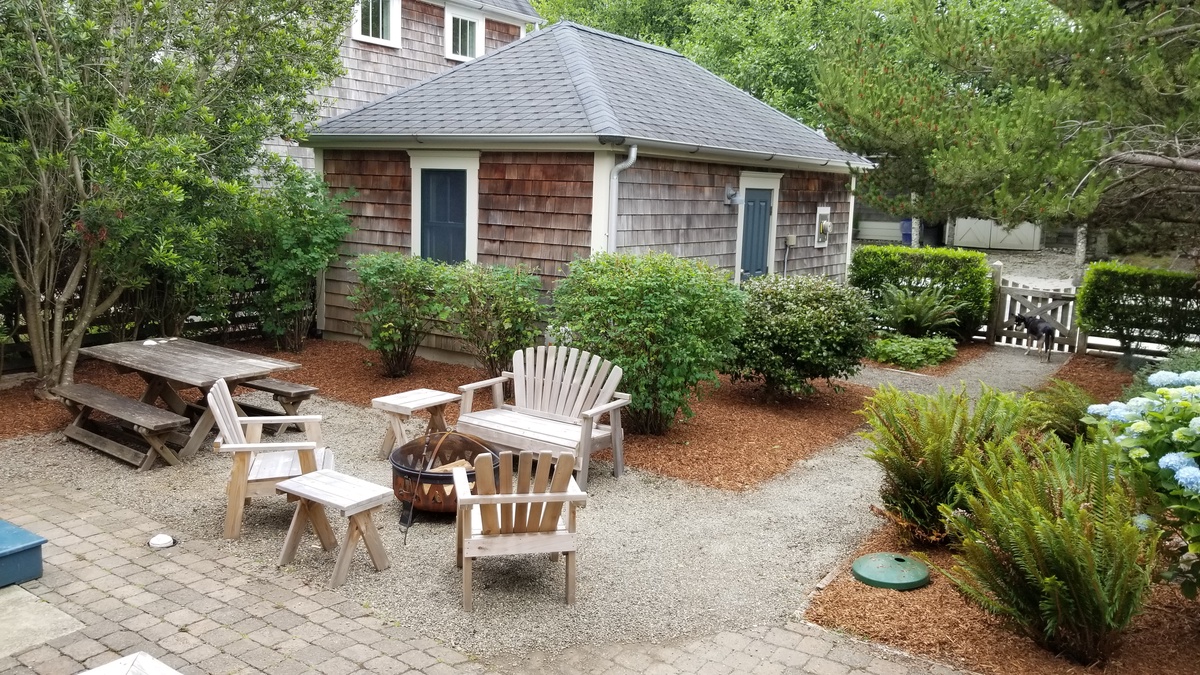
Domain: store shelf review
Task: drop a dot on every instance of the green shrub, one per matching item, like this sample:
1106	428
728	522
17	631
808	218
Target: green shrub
962	275
1133	304
497	310
298	228
1182	360
798	329
1060	407
399	298
1048	541
920	440
911	352
917	312
668	322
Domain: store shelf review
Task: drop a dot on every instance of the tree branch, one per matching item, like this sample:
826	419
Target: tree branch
1158	161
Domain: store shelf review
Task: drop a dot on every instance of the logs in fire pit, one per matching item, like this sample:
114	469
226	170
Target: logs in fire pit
421	469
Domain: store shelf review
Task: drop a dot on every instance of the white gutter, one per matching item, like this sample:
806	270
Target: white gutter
613	187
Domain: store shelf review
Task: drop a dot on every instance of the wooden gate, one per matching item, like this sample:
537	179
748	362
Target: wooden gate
1054	305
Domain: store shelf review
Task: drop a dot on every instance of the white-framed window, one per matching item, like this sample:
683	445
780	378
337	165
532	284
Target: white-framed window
378	22
464	34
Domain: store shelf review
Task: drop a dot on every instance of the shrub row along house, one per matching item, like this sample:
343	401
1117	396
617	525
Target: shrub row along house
571	141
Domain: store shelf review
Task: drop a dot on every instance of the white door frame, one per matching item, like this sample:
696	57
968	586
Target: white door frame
446	159
759	180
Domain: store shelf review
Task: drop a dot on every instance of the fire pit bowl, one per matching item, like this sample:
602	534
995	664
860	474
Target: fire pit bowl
416	479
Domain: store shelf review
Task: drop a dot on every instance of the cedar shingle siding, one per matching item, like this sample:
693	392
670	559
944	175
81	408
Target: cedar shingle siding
535	208
380	212
497	34
678	206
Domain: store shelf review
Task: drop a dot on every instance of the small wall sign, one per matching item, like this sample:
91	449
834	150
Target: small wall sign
824	226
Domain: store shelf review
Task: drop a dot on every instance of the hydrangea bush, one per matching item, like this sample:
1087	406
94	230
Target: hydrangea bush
1159	433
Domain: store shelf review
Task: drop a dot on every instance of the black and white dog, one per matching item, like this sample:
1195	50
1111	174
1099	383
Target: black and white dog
1041	333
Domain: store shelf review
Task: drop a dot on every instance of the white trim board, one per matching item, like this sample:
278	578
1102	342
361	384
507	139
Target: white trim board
468	161
602	164
759	180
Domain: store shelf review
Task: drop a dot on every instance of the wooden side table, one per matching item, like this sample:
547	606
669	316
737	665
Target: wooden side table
400	407
353	498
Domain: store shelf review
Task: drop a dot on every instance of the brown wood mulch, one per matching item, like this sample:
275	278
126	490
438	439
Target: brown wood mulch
736	440
1099	376
938	622
963	354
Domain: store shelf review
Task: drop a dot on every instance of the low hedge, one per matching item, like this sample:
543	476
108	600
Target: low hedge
962	275
1133	304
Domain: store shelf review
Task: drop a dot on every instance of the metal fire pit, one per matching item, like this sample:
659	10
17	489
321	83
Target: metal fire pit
418	486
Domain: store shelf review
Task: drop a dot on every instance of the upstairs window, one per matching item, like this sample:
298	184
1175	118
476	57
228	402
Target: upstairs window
378	21
464	35
462	42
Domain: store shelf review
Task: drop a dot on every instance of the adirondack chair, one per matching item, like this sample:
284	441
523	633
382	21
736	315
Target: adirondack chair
560	394
257	466
498	520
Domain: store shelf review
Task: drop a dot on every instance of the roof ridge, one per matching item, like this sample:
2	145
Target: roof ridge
615	36
445	73
596	106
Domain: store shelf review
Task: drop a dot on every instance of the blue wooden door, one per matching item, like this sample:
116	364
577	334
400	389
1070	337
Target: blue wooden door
756	232
444	214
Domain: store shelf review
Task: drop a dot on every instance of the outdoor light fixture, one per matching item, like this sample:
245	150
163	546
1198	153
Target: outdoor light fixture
732	196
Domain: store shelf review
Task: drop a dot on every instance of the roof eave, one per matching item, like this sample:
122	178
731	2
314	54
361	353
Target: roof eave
413	141
497	11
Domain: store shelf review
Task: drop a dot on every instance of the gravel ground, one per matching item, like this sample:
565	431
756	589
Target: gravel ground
1048	268
659	558
1006	368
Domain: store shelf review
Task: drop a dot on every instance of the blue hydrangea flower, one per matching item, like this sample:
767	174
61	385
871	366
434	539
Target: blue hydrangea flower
1098	409
1182	435
1140	404
1142	522
1194	425
1164	378
1189	478
1174	461
1138	453
1123	414
1191	377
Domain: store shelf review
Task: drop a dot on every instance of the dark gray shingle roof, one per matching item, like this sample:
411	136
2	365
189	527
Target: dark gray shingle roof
573	81
519	7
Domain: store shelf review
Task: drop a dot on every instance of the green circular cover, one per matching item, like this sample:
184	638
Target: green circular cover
890	570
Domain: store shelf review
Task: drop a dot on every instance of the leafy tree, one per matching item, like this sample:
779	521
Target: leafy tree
1055	111
660	22
128	129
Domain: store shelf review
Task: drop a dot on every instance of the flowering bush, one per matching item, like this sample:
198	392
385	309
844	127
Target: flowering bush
1159	432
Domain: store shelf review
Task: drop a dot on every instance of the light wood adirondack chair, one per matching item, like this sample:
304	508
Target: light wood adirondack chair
560	394
498	520
258	467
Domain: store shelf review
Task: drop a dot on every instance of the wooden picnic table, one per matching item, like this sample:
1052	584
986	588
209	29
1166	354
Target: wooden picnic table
174	364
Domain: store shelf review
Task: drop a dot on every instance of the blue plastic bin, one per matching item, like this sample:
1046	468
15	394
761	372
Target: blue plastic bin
906	231
20	555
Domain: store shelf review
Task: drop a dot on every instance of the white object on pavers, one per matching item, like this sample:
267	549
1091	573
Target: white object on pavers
138	663
162	541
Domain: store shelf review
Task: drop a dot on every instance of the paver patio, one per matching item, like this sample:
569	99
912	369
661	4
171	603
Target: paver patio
201	611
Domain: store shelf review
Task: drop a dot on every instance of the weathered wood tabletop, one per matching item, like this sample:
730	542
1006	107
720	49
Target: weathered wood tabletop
169	365
195	364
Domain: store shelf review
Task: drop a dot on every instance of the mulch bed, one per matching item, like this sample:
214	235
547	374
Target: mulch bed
937	622
736	440
964	354
1099	376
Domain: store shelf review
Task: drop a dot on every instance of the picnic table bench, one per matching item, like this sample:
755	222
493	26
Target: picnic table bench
289	395
170	365
153	425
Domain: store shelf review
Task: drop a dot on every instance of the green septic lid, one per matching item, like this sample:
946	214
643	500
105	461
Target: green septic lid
890	570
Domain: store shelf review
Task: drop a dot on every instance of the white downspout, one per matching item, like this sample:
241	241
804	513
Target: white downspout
613	186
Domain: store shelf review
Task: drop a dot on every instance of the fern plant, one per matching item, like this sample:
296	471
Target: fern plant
1060	407
1050	543
918	312
920	440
